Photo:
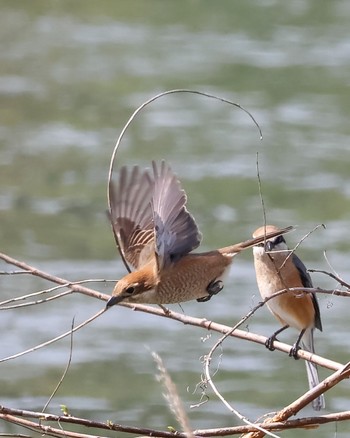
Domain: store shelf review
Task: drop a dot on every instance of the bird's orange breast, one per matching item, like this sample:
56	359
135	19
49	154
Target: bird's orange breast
295	309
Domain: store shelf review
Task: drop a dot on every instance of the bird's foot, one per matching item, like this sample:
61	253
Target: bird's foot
294	351
204	299
213	288
269	343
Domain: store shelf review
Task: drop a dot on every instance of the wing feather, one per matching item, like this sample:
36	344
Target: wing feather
131	215
175	228
307	282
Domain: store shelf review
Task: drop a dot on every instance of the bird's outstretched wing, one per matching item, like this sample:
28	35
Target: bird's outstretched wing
176	232
131	215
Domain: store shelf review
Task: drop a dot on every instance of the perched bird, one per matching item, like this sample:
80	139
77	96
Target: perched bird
278	268
155	234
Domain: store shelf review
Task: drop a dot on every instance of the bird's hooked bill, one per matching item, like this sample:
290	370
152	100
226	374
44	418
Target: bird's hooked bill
115	299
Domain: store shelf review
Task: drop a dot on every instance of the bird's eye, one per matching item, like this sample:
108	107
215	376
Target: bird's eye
130	290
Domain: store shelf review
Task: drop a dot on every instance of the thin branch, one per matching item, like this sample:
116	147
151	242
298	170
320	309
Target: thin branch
57	338
329	263
323	386
209	380
11	415
292	251
13	273
51	289
54	279
34	303
307	235
45	430
334	276
65	371
260	189
310	422
14	435
17	416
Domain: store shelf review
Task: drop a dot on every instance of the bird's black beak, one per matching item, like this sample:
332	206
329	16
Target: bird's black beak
115	299
269	246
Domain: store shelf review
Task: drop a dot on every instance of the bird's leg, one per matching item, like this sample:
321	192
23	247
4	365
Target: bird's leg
165	310
213	288
269	342
294	350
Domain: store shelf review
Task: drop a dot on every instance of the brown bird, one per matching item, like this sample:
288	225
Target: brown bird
278	268
155	233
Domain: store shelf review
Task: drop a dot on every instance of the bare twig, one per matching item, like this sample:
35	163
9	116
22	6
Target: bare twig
65	371
14	416
34	303
305	422
334	276
260	189
209	380
49	290
54	279
14	273
57	338
14	435
18	416
292	251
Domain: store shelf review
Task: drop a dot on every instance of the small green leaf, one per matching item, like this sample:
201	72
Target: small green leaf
64	410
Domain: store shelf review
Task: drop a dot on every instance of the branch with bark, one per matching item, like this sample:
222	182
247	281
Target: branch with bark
39	421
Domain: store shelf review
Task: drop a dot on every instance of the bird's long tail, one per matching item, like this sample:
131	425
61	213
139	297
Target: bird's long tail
238	247
307	343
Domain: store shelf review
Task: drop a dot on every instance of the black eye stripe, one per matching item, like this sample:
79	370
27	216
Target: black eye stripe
279	239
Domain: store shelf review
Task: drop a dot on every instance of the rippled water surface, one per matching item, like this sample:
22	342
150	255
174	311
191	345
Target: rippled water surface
70	76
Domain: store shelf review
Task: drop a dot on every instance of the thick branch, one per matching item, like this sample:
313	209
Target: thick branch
298	404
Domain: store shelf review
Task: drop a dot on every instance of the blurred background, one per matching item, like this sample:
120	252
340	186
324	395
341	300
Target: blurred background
71	74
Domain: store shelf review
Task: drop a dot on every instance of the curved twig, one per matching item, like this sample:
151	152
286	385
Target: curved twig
65	370
132	117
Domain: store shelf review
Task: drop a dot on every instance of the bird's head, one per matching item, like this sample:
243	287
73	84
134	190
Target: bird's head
133	288
275	244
